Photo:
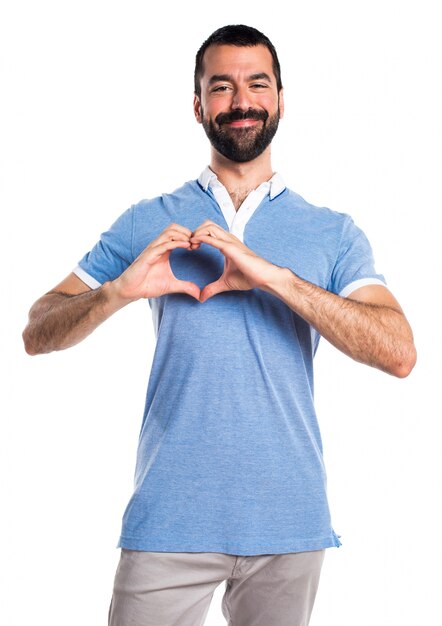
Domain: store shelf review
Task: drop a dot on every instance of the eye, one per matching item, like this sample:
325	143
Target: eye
259	86
220	88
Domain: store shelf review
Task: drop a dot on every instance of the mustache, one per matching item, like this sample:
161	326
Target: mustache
234	116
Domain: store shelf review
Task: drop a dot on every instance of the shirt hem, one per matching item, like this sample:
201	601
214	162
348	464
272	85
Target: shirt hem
86	278
357	284
238	549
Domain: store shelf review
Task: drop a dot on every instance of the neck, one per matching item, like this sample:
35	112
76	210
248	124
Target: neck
241	178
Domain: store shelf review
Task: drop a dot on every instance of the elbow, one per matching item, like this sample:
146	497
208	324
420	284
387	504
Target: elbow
30	351
404	366
29	348
29	345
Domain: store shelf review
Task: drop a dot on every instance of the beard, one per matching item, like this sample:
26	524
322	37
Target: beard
241	144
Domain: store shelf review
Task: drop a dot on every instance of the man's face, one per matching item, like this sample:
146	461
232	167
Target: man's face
239	106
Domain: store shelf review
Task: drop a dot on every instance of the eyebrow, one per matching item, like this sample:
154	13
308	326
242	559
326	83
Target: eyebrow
216	78
261	76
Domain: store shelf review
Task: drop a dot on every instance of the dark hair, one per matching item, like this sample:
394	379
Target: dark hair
235	35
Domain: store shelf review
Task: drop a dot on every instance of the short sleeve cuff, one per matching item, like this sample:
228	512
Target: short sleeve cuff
357	284
86	278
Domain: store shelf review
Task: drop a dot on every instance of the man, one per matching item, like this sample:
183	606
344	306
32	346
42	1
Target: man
243	276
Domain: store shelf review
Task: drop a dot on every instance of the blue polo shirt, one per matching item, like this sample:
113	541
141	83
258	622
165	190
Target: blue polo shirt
230	453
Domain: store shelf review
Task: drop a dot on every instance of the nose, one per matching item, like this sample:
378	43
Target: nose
241	99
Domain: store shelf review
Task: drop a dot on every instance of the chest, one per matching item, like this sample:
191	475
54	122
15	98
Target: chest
303	240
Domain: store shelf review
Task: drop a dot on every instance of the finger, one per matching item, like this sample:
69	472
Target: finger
212	230
211	240
207	223
152	254
177	227
158	246
172	234
218	286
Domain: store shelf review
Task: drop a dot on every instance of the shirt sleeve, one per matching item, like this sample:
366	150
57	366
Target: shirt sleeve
111	255
354	267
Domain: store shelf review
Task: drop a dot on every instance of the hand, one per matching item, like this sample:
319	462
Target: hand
150	275
243	269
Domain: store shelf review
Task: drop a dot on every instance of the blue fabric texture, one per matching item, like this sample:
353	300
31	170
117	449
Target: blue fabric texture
230	453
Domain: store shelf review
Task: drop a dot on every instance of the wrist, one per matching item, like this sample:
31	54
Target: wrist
113	296
277	281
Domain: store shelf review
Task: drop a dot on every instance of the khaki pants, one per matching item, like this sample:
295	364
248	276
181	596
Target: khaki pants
176	588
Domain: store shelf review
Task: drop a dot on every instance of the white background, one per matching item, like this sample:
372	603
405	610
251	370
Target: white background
96	102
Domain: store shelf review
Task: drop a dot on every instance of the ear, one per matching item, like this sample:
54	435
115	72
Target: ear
197	109
281	103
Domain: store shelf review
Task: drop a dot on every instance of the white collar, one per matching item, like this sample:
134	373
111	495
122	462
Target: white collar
275	185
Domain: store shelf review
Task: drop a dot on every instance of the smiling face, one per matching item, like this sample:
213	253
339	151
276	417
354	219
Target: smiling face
239	106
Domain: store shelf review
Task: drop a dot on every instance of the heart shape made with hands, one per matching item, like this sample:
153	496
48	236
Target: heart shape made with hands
242	267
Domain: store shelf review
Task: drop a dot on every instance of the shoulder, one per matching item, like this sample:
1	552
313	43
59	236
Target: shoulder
312	215
188	190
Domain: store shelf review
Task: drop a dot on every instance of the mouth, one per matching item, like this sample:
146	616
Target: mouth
241	119
247	123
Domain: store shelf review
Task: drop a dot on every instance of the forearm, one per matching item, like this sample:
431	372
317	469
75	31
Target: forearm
60	320
373	334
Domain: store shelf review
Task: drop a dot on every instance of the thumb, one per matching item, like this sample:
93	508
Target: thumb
185	286
212	289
